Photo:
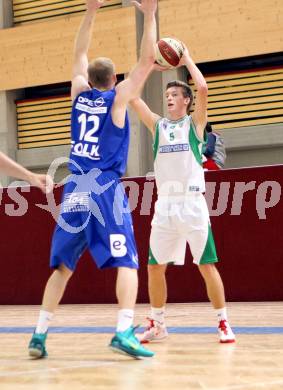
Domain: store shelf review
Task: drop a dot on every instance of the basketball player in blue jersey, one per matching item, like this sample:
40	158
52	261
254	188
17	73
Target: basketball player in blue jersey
92	214
11	168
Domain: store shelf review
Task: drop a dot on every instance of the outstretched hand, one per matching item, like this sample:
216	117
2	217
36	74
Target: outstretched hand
44	182
146	5
93	5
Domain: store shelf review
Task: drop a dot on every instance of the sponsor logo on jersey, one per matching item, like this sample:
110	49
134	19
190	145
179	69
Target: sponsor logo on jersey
118	245
194	188
91	106
91	110
99	102
85	150
76	201
173	148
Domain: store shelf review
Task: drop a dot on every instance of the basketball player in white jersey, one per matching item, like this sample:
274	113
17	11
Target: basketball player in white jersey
181	213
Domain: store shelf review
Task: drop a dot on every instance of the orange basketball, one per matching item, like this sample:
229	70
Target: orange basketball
169	52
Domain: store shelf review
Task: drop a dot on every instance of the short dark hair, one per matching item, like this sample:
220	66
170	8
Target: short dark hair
187	92
100	72
208	128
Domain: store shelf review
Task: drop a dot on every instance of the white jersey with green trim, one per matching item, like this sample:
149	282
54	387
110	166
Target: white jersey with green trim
178	158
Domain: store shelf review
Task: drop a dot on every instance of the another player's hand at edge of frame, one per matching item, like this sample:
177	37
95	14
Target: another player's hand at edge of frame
145	6
43	182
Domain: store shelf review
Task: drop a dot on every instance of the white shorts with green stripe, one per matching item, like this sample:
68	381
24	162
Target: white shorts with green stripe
176	222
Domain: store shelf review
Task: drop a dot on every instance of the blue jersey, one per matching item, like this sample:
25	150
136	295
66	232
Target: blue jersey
95	141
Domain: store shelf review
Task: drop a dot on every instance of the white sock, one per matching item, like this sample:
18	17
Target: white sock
221	314
43	321
125	319
158	314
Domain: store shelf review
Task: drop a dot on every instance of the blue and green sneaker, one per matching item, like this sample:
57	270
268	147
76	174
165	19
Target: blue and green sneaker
36	346
127	343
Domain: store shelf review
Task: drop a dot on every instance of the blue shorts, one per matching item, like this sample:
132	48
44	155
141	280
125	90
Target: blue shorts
95	215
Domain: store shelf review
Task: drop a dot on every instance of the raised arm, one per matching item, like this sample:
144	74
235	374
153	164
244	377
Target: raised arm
11	168
82	43
148	117
200	112
131	87
147	49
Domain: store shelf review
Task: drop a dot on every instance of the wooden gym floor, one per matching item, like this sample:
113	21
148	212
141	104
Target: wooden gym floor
190	359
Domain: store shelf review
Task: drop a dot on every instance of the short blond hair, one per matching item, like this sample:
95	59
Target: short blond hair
100	72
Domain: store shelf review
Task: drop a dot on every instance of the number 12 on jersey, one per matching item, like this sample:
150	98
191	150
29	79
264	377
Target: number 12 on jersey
87	145
88	136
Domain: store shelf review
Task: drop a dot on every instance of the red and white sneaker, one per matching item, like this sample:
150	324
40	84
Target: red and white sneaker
225	332
153	333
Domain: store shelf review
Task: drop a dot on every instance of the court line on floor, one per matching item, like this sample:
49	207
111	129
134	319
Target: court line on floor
245	386
178	330
56	369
